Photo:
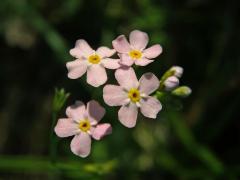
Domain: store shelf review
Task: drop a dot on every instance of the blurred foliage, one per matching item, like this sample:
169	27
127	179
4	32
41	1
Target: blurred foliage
200	141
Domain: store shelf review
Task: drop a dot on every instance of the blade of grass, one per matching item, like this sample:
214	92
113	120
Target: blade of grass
186	137
33	164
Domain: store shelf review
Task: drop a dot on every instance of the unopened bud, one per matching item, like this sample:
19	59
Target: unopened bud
59	99
177	71
182	91
170	83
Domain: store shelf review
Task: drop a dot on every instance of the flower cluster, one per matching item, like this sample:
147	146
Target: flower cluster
130	93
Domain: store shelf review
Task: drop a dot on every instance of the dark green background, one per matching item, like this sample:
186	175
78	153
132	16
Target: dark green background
200	141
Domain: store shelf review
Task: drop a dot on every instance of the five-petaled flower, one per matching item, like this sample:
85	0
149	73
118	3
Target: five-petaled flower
136	51
82	123
133	94
94	62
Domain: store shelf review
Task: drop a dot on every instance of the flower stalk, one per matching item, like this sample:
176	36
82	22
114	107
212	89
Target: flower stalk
60	98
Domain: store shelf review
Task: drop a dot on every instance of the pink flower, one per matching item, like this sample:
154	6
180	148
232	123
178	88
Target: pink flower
133	94
94	62
82	123
136	51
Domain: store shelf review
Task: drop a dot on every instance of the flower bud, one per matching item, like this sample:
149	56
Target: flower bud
59	99
170	83
182	91
177	71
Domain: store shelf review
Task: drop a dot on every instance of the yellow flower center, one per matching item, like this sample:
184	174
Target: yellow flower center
134	95
84	125
94	59
135	54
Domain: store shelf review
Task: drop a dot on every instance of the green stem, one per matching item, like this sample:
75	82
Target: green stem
53	139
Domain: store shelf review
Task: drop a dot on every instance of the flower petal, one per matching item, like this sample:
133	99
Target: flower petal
150	107
121	44
148	83
66	127
76	68
126	60
105	52
138	39
82	48
114	95
81	144
101	130
152	51
128	115
96	75
76	52
110	63
76	111
143	62
126	77
95	111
